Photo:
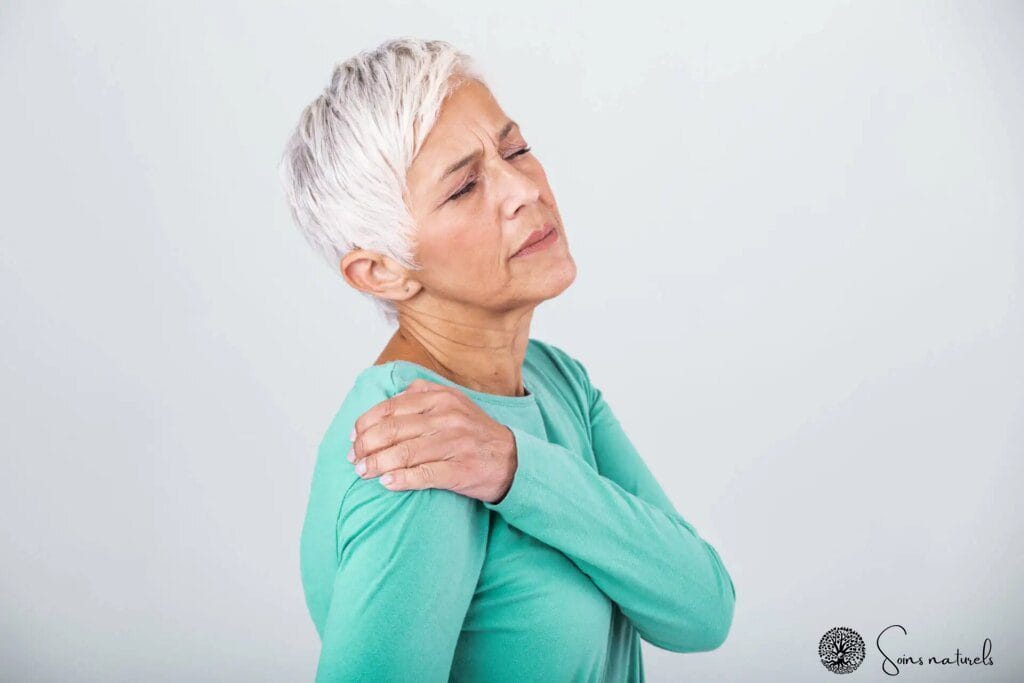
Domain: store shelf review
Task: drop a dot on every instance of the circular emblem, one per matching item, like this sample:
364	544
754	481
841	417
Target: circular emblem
841	650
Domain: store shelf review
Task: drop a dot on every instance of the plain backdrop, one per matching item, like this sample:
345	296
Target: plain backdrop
798	228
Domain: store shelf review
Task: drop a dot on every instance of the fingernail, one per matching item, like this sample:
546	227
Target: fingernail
352	436
361	467
351	455
386	479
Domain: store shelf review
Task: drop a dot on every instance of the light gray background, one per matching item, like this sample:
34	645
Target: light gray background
798	230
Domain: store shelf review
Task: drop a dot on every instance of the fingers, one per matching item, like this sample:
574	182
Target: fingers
392	431
439	474
384	425
404	454
399	437
415	398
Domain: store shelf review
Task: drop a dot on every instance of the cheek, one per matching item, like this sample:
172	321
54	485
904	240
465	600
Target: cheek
457	251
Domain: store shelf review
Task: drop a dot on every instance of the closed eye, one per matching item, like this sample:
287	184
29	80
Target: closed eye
468	187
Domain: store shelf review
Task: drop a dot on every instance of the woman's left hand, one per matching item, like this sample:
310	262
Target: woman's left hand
433	436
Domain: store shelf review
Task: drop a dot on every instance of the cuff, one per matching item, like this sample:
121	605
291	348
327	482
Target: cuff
540	468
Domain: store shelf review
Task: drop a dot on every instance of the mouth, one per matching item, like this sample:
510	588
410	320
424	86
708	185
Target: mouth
538	239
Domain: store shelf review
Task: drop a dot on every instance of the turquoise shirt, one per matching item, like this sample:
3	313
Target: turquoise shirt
558	581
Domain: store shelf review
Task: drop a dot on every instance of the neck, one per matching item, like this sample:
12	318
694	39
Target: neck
480	351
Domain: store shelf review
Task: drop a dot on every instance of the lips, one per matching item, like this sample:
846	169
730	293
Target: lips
536	236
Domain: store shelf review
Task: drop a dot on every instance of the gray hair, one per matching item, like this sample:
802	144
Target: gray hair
344	166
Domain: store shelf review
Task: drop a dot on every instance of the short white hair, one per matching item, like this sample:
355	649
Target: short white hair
344	166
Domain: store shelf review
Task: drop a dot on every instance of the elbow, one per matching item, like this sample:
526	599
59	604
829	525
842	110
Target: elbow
726	611
721	623
720	618
717	625
718	613
714	629
704	630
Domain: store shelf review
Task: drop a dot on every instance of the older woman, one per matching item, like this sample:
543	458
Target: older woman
492	521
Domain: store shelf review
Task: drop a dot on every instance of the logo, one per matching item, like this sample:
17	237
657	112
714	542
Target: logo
841	650
891	665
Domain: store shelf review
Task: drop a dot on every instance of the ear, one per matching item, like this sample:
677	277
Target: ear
376	274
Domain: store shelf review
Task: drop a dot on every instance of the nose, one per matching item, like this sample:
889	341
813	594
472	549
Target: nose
518	189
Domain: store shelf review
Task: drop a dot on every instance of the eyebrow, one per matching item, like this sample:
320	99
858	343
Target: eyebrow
502	134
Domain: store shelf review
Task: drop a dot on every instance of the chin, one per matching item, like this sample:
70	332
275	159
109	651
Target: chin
554	279
559	277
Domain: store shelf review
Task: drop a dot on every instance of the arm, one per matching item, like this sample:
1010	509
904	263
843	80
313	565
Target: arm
410	561
620	528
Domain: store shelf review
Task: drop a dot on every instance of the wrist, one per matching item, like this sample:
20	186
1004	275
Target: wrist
512	460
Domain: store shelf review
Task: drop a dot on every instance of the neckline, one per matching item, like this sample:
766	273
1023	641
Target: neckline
499	399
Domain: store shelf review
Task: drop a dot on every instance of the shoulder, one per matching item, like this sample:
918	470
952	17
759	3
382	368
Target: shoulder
366	501
331	479
371	386
333	474
348	516
557	358
561	367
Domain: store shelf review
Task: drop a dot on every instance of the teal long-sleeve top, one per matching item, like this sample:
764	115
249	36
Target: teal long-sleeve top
557	581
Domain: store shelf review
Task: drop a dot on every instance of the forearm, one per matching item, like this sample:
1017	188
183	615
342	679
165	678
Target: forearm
666	579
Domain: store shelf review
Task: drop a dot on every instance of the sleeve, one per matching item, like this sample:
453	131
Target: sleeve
409	566
620	528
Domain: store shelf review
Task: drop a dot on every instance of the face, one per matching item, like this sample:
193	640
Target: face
478	193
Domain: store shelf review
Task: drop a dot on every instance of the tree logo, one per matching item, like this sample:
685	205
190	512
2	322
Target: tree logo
841	650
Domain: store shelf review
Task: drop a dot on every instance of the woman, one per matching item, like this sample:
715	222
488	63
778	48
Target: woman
492	521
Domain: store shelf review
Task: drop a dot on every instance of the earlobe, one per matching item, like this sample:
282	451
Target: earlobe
410	289
397	290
